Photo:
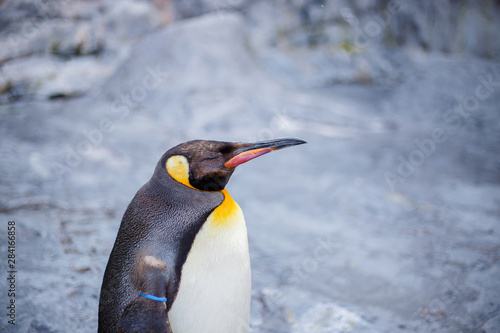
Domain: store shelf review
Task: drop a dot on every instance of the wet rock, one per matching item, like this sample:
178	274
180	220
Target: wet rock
379	227
40	327
49	77
187	9
274	315
54	50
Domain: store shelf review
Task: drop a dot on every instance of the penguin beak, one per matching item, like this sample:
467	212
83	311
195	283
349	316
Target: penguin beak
250	151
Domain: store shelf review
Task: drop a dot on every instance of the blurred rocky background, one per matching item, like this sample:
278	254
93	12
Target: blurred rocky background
387	221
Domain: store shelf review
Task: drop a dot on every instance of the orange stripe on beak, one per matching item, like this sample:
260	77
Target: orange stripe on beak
247	156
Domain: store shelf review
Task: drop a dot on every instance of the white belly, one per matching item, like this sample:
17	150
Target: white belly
215	287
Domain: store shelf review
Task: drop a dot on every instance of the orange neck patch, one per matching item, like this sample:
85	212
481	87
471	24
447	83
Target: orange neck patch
226	212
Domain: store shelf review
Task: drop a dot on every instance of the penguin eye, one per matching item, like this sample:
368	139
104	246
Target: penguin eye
226	149
211	158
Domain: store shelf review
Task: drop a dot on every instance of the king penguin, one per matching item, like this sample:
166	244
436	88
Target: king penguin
180	262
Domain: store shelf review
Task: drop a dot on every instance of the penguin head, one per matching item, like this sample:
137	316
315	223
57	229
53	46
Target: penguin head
208	165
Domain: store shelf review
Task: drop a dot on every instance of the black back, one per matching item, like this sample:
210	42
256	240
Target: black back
161	221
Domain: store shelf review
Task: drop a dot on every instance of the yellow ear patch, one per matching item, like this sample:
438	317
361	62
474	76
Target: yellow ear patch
178	169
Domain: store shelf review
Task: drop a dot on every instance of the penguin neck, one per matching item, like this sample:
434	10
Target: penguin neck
226	212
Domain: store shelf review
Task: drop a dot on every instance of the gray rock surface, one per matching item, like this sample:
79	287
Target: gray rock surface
387	221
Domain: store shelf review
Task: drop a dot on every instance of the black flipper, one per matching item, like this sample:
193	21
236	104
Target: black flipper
144	316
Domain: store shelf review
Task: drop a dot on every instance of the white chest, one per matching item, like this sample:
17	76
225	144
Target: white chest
215	287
